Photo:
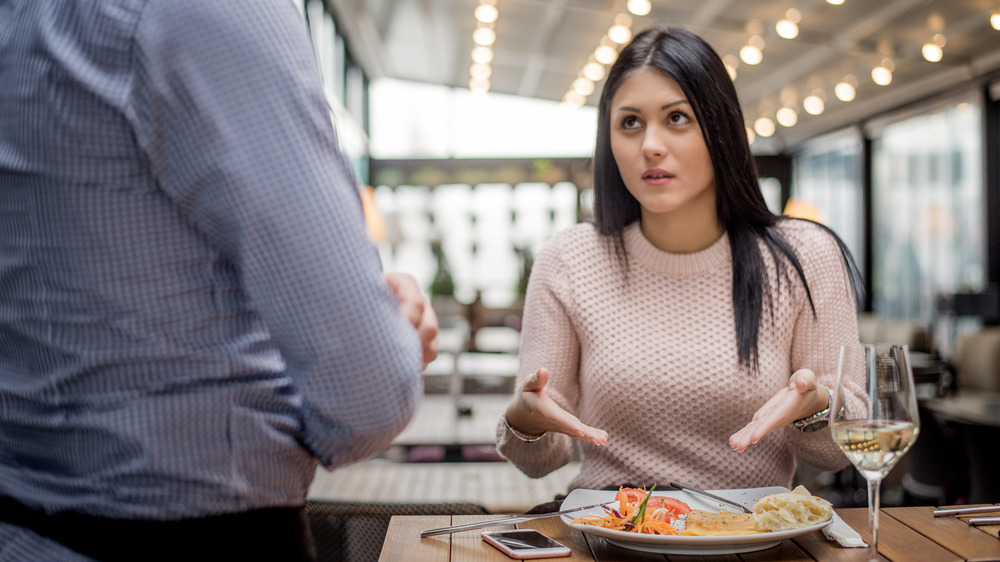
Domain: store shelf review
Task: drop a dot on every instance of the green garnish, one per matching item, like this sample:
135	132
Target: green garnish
640	515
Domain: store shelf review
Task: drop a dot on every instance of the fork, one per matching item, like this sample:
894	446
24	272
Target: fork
739	506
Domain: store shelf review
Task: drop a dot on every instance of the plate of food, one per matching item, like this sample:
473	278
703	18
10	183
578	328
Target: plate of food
678	522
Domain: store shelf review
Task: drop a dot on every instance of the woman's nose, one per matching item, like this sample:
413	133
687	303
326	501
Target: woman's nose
653	145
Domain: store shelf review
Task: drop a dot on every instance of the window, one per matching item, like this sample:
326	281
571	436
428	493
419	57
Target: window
827	186
928	235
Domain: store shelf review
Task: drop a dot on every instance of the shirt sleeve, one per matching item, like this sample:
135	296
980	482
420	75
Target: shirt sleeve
230	110
548	339
817	338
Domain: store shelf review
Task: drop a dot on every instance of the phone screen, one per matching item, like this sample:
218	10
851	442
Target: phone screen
525	543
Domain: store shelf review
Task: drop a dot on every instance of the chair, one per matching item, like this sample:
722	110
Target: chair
354	531
977	360
874	329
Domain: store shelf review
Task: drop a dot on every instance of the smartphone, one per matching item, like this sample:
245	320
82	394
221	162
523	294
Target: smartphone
525	543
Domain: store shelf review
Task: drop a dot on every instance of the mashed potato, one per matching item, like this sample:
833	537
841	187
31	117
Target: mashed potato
790	510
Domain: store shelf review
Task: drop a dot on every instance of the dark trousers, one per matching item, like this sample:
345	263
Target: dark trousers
280	534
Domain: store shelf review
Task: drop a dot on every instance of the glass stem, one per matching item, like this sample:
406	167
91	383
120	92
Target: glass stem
874	485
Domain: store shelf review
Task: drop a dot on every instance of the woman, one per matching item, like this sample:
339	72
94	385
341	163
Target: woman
680	335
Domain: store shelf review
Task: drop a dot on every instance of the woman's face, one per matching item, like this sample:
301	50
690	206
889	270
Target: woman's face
660	151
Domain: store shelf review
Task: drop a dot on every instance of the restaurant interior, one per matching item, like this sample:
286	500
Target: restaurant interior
470	126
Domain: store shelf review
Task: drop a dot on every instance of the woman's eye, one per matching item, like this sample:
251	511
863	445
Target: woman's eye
630	122
678	118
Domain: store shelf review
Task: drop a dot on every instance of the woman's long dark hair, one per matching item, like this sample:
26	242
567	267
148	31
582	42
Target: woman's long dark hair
696	68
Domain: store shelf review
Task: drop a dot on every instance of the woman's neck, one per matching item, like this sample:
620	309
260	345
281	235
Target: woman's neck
685	233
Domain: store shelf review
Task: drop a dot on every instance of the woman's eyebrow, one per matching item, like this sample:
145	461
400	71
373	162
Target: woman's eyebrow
636	110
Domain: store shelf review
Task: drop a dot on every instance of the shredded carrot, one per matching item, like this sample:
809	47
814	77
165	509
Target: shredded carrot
621	519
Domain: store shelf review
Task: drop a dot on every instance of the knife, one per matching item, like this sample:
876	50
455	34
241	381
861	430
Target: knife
740	506
505	520
965	510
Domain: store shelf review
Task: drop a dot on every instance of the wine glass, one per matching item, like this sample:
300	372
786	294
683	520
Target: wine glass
875	437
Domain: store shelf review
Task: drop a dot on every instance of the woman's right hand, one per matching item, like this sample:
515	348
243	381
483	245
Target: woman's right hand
534	412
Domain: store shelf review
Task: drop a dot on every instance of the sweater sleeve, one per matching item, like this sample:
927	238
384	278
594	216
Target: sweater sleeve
817	338
548	339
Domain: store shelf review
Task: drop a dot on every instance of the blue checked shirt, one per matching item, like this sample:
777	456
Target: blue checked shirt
191	315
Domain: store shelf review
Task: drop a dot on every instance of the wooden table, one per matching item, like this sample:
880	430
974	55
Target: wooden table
498	486
905	534
978	407
439	421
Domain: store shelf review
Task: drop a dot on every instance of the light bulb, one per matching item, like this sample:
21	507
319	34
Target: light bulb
479	86
574	99
732	71
486	13
593	71
583	86
813	104
787	117
605	54
620	34
484	36
787	29
881	75
764	127
995	20
639	7
480	70
844	91
751	55
931	52
482	54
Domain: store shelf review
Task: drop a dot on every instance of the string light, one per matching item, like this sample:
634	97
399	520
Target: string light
787	117
814	104
484	36
931	52
583	86
731	63
620	34
640	7
846	89
764	127
788	28
995	20
593	71
482	54
486	13
882	73
605	54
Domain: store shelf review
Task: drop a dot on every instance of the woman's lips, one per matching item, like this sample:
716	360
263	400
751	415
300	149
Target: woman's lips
657	177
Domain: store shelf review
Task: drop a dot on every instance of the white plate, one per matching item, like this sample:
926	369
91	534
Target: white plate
684	544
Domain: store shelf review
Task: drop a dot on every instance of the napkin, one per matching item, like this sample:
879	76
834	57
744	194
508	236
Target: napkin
843	533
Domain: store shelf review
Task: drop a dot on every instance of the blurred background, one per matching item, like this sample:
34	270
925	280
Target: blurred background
471	123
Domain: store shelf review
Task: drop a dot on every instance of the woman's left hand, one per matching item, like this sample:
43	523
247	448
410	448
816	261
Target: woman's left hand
802	397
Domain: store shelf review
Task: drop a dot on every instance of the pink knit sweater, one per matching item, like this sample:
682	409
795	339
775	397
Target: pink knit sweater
652	359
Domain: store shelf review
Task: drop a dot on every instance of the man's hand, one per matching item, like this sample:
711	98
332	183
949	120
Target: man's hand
802	397
417	309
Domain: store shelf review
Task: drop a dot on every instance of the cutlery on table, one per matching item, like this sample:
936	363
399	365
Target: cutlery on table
966	510
983	521
505	520
739	506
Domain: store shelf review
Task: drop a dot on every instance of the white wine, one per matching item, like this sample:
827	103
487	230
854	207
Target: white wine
874	446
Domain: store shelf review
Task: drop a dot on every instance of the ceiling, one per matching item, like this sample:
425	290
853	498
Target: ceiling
542	45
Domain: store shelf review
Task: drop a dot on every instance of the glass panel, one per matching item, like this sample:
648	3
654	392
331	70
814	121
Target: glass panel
771	189
827	187
929	211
